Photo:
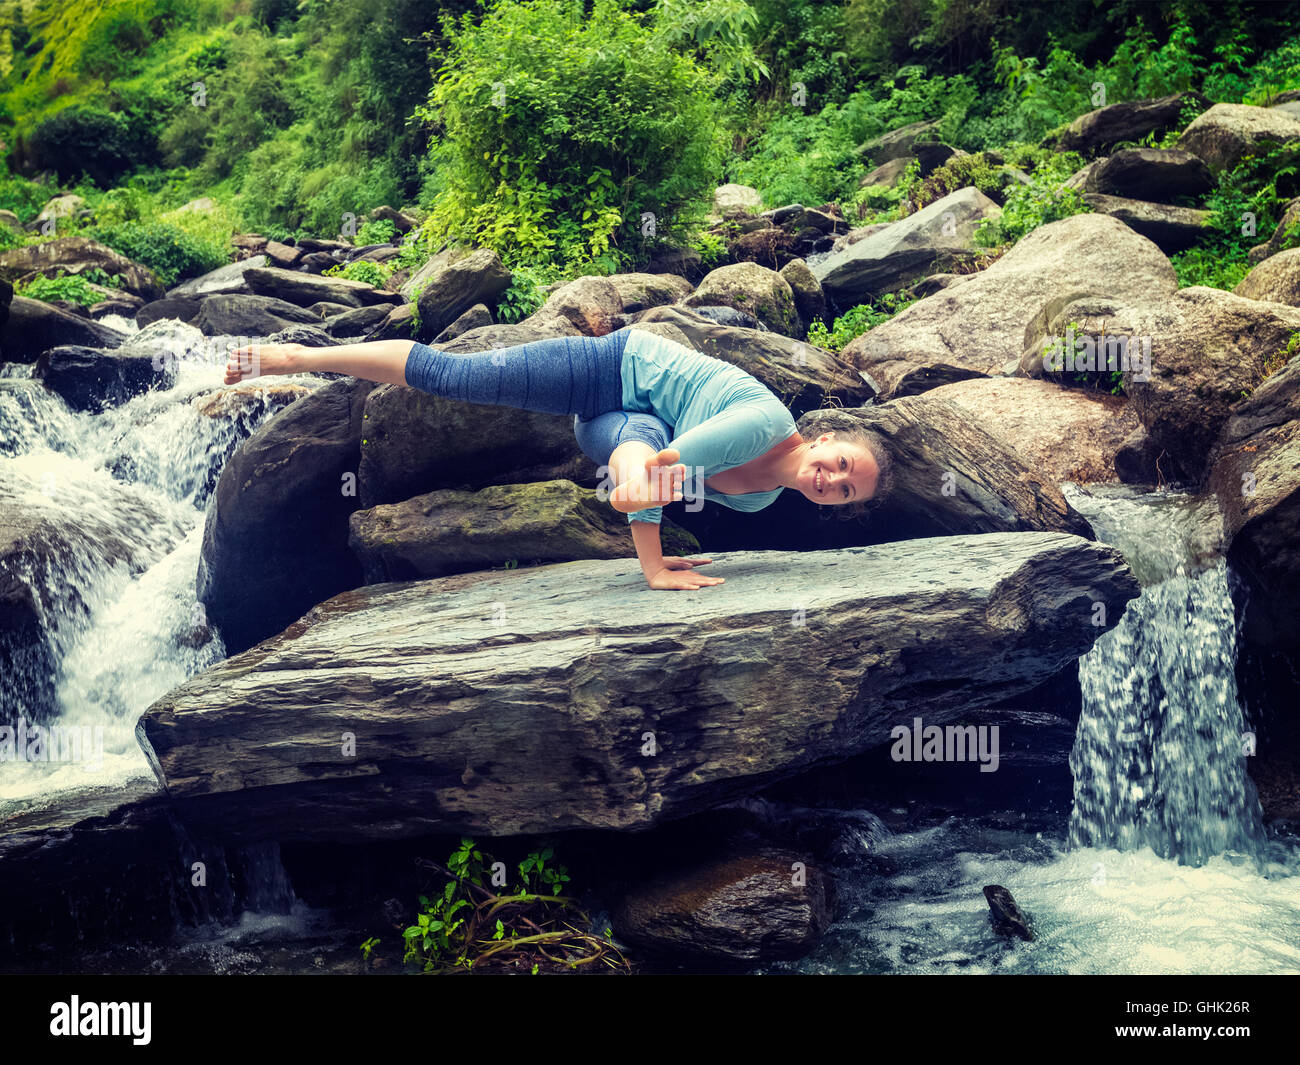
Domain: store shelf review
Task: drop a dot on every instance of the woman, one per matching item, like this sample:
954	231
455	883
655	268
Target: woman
632	393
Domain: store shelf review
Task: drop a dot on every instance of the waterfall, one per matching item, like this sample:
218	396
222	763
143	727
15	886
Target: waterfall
1160	755
116	502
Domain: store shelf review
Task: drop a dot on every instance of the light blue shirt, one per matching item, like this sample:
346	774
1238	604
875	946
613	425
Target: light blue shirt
721	417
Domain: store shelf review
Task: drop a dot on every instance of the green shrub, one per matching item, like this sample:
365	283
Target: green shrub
856	321
1043	200
376	231
371	273
72	287
78	140
1250	189
523	296
167	249
554	150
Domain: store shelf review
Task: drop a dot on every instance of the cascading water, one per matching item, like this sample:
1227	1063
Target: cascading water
1160	756
113	505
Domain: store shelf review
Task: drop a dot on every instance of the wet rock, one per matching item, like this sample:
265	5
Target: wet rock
1006	916
91	379
235	314
746	906
33	327
519	702
1255	476
275	539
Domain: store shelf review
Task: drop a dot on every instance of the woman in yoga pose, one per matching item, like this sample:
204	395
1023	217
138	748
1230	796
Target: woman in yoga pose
632	394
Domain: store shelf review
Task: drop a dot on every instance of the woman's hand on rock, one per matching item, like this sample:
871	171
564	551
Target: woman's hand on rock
261	360
676	579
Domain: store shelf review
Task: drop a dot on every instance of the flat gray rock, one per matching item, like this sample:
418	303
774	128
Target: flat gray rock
572	697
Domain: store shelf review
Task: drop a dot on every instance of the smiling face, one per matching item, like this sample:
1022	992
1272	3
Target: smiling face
835	472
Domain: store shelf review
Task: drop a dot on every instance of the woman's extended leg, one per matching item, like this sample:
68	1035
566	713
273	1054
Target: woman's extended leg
559	375
378	360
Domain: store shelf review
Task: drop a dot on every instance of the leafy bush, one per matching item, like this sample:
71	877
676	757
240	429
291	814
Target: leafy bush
78	140
167	249
856	321
371	273
468	922
72	287
523	296
1248	191
376	231
555	149
1043	200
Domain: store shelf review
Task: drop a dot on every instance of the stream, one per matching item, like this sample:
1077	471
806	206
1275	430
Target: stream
1162	865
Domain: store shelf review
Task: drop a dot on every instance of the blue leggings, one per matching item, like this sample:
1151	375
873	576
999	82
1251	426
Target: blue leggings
581	376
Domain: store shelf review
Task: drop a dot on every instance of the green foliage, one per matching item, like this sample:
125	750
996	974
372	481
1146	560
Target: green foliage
371	273
167	249
1043	200
554	150
958	173
523	296
84	140
712	249
72	287
1249	190
376	231
856	321
468	923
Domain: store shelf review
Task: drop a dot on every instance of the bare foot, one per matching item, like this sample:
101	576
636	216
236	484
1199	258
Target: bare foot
659	485
261	360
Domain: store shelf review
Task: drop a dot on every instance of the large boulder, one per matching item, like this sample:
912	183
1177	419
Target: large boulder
809	299
896	143
1156	174
804	376
73	255
1131	120
446	532
236	314
1067	434
941	233
1285	236
479	277
639	292
1207	349
729	199
1171	229
1256	478
1275	280
306	289
523	702
1227	132
228	278
415	442
972	329
91	380
951	475
592	306
276	538
753	289
34	326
